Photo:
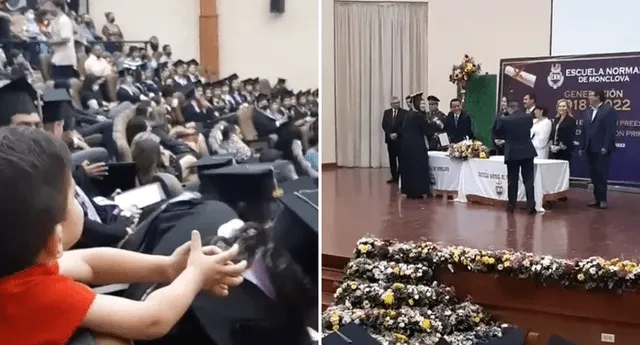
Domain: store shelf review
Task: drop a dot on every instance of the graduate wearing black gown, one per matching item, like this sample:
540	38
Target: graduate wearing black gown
414	153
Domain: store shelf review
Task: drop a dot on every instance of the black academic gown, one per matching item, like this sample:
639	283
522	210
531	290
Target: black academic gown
247	316
264	123
193	112
128	94
414	155
151	88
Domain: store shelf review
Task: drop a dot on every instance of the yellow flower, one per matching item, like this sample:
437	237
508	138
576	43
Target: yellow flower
506	263
401	337
491	261
426	324
363	248
336	328
334	317
277	193
483	155
476	319
397	286
580	277
396	270
411	302
478	258
387	297
353	285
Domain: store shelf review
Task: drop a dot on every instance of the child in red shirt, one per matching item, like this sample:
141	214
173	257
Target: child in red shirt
43	299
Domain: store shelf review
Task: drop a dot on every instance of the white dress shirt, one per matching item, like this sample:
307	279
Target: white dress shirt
594	112
97	66
540	133
63	54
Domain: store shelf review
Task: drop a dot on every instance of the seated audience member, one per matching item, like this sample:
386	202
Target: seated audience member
133	59
312	153
37	273
149	84
17	66
17	104
264	123
146	153
135	126
167	54
193	76
232	144
90	95
180	76
56	112
127	91
290	144
196	109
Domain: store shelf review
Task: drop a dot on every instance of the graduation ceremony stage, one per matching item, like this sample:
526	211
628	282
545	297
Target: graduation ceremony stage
358	203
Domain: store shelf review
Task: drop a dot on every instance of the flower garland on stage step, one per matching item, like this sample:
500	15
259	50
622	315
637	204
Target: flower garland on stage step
592	273
399	303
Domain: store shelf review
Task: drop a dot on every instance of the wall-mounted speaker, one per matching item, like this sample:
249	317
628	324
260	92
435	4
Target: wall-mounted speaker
277	6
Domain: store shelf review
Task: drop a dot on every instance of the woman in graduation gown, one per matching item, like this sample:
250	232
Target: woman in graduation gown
414	153
127	91
197	109
218	104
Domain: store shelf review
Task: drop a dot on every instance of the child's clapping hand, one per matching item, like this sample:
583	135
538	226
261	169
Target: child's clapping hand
219	273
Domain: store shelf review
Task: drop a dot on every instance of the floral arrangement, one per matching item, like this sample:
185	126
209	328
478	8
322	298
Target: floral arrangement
591	273
462	73
468	149
395	297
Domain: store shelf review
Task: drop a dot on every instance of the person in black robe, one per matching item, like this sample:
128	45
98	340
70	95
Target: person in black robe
127	91
235	92
193	76
264	123
498	145
220	107
180	77
248	86
195	109
414	153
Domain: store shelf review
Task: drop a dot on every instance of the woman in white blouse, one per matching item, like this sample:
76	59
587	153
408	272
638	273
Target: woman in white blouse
541	131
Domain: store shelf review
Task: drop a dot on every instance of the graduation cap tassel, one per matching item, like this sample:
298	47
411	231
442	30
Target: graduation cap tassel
344	337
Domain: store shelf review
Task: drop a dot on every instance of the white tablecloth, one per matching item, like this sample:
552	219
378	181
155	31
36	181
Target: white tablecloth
488	178
445	172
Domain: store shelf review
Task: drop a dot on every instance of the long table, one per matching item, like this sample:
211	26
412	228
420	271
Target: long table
487	178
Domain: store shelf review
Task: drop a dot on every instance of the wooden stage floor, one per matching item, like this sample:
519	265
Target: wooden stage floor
357	202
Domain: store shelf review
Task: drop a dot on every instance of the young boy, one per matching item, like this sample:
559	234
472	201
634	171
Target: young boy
42	296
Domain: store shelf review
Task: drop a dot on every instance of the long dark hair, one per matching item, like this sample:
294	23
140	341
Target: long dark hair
87	83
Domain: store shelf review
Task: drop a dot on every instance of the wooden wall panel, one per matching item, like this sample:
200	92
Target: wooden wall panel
209	57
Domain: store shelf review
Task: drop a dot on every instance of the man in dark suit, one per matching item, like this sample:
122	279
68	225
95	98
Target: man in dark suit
514	132
391	124
457	124
597	140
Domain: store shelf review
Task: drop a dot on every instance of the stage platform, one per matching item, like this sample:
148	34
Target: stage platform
358	202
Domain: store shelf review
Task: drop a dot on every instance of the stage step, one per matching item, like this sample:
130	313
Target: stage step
327	300
331	279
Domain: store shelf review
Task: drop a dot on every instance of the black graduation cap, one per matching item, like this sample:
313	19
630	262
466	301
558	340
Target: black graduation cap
432	98
557	340
57	105
350	334
232	78
17	97
315	93
296	227
281	81
244	183
262	97
127	71
512	337
218	84
193	62
178	63
214	162
408	98
300	94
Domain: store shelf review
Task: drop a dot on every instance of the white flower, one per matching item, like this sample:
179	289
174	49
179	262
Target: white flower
593	270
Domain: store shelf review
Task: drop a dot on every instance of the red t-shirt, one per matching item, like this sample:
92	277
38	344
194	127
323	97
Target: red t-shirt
38	306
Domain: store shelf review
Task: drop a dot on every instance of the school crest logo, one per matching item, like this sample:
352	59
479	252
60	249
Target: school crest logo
555	78
432	178
499	188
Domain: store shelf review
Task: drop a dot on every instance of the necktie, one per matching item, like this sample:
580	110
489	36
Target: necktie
394	114
456	119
